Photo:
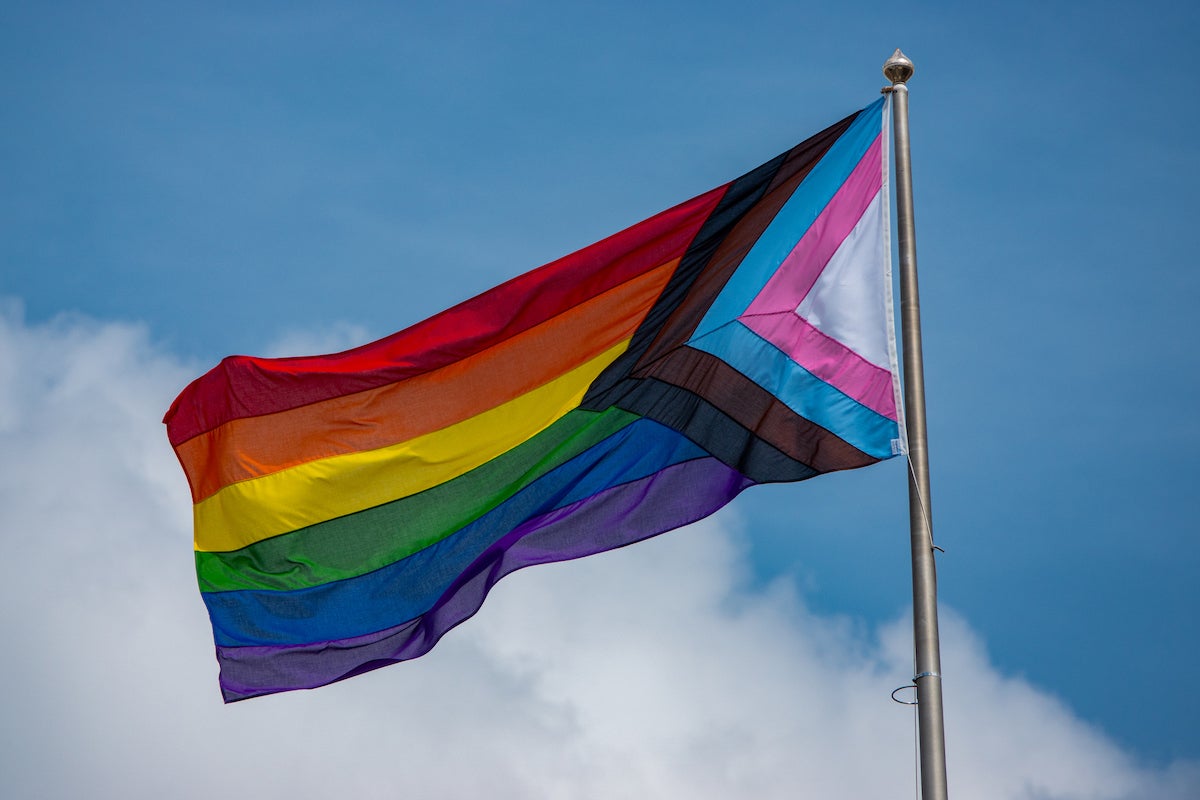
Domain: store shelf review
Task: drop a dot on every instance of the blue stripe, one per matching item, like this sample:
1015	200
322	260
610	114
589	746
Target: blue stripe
794	219
408	588
800	390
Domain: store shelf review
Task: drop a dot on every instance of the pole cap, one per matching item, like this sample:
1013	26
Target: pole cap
898	68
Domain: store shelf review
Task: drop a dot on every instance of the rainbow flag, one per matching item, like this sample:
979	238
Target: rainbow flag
350	509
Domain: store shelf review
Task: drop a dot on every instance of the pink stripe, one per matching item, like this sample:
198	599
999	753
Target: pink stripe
828	359
801	268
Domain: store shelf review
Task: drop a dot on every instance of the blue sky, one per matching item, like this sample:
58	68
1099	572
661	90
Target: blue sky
190	181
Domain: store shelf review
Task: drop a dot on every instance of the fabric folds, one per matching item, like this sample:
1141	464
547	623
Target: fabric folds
350	509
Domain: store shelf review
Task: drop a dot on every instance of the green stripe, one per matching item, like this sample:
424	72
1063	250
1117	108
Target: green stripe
365	541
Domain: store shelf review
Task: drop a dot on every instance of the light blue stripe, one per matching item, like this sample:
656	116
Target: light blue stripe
800	390
794	219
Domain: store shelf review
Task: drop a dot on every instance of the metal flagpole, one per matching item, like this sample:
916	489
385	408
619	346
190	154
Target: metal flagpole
928	679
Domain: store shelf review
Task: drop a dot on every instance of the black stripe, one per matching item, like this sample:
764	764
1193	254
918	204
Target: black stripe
678	297
713	430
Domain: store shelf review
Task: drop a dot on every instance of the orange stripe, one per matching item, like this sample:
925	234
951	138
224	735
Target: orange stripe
252	447
322	490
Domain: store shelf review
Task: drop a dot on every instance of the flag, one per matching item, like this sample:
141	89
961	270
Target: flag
350	509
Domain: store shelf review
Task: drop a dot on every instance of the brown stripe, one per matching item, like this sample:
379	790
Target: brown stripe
748	206
243	386
798	162
755	409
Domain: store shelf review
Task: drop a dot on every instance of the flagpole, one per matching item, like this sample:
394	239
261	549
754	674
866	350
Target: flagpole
928	678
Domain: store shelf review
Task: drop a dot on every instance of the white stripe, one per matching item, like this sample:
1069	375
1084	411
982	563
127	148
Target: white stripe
846	303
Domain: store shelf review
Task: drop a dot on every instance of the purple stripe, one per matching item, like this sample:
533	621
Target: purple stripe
668	499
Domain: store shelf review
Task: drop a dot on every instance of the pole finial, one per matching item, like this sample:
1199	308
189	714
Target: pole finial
898	68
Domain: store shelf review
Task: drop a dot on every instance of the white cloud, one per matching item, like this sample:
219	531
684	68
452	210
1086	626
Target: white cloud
655	671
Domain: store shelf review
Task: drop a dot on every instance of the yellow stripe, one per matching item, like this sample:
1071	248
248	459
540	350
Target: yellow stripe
250	511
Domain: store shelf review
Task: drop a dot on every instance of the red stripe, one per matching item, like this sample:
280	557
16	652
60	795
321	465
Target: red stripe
244	386
249	448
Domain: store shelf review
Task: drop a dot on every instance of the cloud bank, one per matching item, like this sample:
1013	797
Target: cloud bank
658	671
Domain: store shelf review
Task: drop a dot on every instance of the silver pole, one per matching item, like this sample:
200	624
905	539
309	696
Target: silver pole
928	679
